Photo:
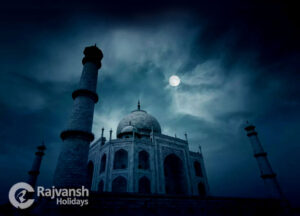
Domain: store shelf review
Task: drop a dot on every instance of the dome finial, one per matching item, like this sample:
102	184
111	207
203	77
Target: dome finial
139	105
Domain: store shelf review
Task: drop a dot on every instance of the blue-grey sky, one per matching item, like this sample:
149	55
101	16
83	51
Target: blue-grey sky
236	62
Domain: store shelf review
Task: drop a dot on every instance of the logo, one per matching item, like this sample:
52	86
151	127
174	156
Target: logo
18	195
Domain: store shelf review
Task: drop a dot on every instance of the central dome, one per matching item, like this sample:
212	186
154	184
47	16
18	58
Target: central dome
141	120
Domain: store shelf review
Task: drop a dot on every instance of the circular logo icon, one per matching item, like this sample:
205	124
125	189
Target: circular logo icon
18	195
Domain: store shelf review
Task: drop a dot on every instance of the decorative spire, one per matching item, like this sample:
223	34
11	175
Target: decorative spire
139	105
110	133
102	132
200	150
186	138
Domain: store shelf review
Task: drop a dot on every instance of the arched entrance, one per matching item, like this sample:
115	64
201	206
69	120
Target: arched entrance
201	189
175	179
90	172
198	170
121	159
143	160
103	163
119	185
144	185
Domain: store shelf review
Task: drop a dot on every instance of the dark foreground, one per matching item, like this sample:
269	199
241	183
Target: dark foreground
135	204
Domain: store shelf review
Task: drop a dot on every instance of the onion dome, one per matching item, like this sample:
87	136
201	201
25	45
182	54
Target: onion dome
140	120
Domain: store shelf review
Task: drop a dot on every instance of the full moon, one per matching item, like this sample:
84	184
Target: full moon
174	80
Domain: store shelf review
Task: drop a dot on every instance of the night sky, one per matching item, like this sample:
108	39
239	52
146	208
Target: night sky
236	62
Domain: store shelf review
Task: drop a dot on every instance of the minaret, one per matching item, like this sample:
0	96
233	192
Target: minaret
266	171
71	168
35	169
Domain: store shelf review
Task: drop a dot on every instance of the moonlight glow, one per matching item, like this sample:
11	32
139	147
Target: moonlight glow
174	80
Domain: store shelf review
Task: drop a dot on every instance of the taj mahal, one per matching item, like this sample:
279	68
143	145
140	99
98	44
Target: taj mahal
143	160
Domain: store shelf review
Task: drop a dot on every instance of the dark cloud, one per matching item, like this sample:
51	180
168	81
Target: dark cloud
236	61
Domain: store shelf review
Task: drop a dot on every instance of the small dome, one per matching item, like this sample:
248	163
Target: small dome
128	129
141	121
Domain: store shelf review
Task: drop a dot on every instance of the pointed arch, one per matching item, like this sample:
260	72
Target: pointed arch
143	160
144	185
119	185
201	189
103	164
121	159
198	170
175	179
90	172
